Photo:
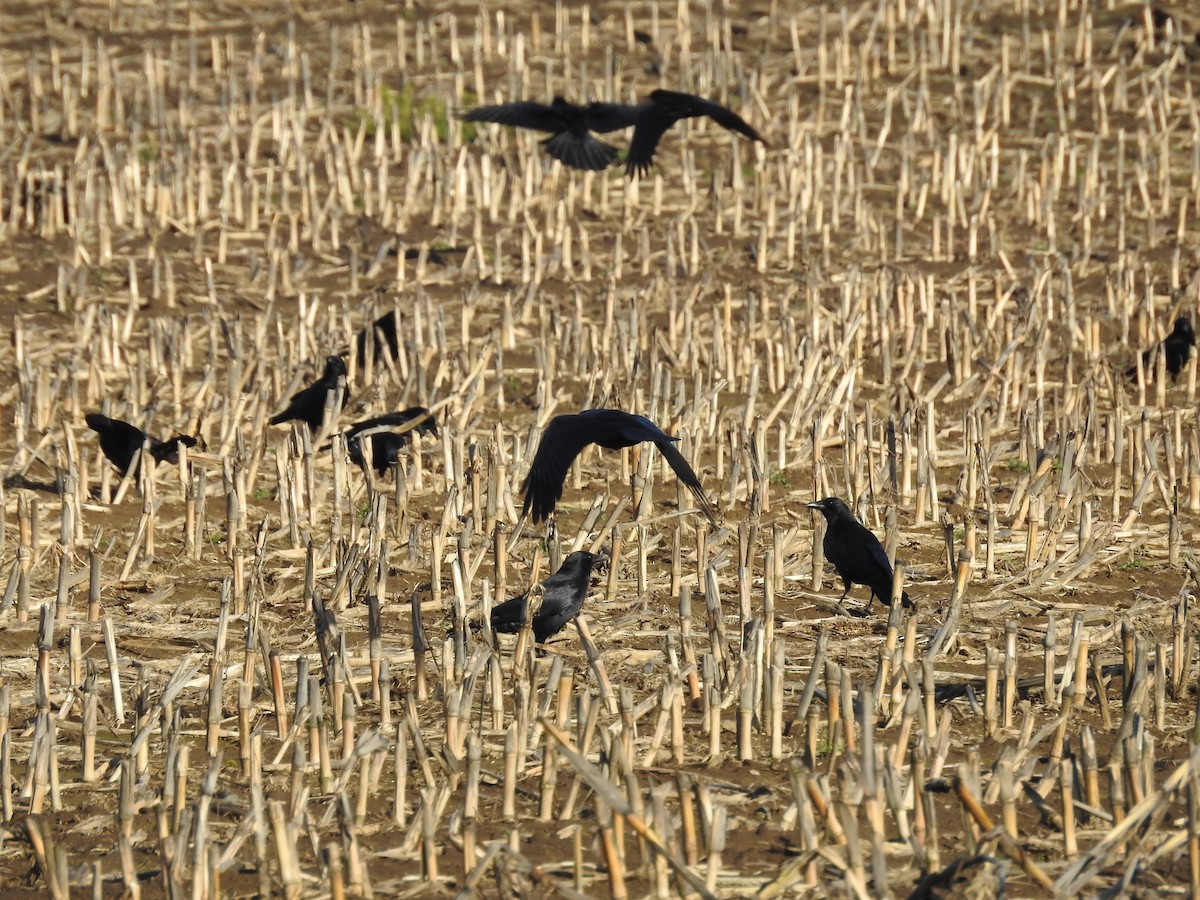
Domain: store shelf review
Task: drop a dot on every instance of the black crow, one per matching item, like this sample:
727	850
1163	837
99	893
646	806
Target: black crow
379	334
562	598
981	877
120	441
386	444
1177	346
570	141
567	435
856	553
308	405
663	110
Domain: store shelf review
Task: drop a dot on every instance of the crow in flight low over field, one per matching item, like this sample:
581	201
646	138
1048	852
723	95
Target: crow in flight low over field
308	405
567	435
386	443
663	110
563	594
569	125
1177	347
856	553
120	441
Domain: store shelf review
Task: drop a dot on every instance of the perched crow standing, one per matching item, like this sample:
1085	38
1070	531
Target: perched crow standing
856	553
308	405
1176	346
385	444
663	110
120	441
569	125
567	435
563	594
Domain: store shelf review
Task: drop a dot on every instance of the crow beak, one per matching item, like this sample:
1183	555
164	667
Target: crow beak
816	504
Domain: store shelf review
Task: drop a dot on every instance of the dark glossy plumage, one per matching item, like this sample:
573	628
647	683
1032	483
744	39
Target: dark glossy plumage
308	405
613	429
1176	346
120	440
379	334
663	110
563	594
569	125
385	443
856	553
981	877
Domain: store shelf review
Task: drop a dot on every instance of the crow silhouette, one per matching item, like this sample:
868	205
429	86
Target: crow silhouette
856	553
569	125
308	405
1176	346
563	594
980	877
613	429
663	110
120	440
379	334
385	443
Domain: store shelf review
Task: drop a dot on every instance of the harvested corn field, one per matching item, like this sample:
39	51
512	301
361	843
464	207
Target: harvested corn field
942	287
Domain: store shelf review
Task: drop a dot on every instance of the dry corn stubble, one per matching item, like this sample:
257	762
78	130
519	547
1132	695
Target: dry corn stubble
922	297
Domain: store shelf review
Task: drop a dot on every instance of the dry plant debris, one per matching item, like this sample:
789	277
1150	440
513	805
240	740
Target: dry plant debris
252	671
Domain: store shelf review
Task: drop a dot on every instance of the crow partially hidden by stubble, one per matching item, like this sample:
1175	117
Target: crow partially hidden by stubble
563	594
980	877
663	110
120	440
379	334
386	443
613	429
1176	346
569	125
308	405
856	553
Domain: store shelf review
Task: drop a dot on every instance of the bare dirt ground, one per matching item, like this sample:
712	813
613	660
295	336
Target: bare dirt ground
922	295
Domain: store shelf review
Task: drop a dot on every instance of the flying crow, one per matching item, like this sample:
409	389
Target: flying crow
567	435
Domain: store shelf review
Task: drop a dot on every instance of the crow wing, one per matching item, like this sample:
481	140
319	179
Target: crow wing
878	554
664	110
653	120
307	404
105	427
562	441
876	570
508	616
606	117
726	118
388	420
521	114
687	475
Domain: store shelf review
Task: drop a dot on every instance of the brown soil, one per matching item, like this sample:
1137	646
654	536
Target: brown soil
194	204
